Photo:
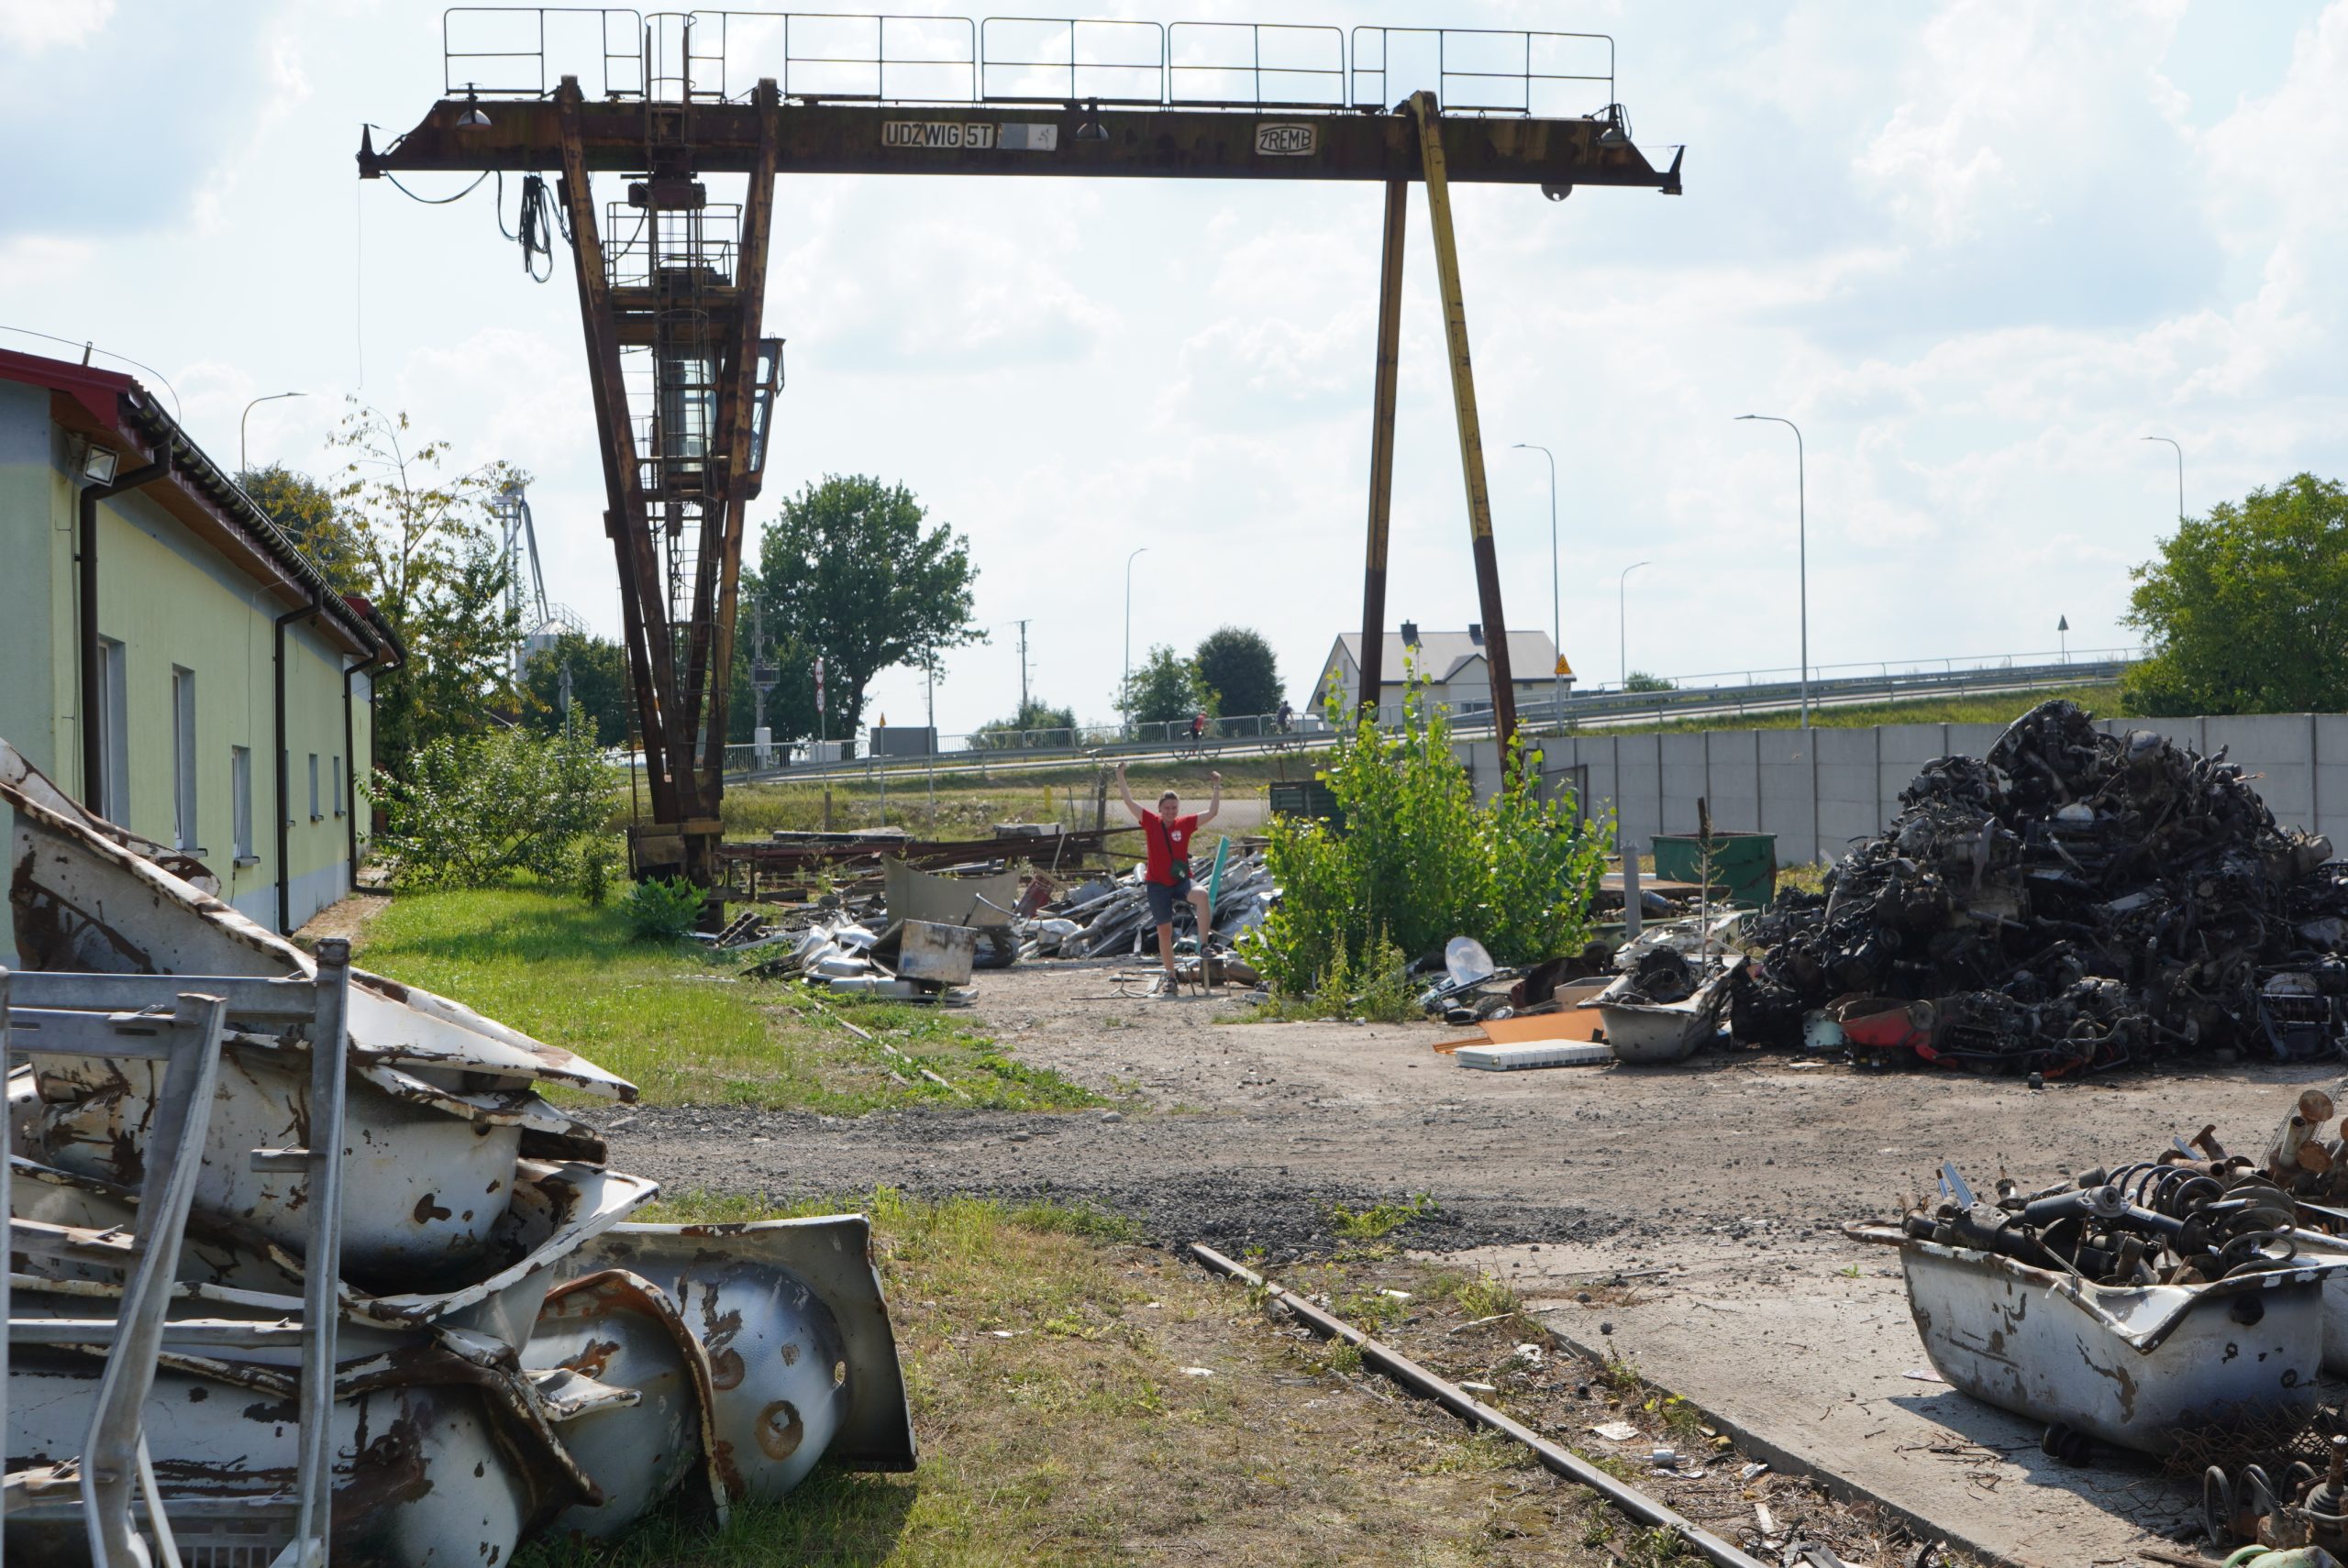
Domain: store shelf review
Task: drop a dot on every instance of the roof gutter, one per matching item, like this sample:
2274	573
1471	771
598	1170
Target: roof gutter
86	560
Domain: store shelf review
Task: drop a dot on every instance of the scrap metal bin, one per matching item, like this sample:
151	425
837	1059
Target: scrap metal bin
1743	863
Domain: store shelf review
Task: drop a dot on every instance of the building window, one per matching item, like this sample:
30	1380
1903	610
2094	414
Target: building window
315	815
184	832
338	786
240	791
114	733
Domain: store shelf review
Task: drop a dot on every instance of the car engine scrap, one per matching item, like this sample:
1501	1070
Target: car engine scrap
514	1360
2071	902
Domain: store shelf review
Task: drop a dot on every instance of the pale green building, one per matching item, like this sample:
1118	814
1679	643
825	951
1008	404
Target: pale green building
167	654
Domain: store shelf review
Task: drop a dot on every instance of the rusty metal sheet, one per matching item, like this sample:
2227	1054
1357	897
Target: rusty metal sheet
752	1266
625	1333
18	773
84	903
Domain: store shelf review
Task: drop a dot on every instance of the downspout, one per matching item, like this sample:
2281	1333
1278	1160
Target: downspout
86	559
350	766
284	767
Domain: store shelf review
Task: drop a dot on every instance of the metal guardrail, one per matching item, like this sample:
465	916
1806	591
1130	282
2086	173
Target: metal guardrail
1761	691
718	54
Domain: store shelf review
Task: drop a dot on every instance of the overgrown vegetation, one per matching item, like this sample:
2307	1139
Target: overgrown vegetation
1420	861
685	1025
476	809
662	909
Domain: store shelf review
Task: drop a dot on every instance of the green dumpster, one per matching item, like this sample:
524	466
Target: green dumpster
1746	864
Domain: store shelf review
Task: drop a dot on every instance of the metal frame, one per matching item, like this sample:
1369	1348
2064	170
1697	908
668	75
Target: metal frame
1464	78
181	1020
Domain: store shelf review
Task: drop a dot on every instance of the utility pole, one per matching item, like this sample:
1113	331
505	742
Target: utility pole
929	749
1022	674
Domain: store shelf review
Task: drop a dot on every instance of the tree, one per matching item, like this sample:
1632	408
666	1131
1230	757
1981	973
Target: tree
1237	666
1165	688
1420	861
308	513
2246	610
1640	680
477	809
848	571
1034	715
599	681
422	546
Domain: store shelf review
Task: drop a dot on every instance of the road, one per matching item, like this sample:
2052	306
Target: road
1598	710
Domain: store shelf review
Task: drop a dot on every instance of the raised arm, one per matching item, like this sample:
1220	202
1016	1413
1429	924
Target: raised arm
1214	799
1126	792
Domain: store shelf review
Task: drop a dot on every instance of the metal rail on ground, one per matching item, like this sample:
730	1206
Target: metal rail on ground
1419	1380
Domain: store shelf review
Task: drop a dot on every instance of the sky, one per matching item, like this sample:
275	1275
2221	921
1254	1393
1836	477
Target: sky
1977	251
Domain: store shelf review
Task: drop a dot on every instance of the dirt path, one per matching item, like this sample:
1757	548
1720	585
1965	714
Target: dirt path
1243	1134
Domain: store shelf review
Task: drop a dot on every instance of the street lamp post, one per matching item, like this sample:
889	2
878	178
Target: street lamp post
2181	472
241	466
1125	686
1622	621
1801	536
1557	614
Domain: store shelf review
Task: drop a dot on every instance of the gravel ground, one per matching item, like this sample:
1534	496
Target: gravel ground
1245	1134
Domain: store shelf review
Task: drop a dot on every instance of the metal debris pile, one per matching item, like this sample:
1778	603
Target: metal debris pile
516	1359
1111	916
2071	902
2192	1215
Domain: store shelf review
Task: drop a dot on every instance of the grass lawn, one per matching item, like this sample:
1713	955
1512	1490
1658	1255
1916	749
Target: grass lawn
681	1023
1055	1370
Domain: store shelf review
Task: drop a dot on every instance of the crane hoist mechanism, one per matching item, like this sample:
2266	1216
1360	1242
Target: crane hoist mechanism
670	282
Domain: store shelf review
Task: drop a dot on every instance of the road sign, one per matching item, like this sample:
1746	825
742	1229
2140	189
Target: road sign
1563	667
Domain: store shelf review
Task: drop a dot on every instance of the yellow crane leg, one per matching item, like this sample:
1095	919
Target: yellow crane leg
1471	439
1381	450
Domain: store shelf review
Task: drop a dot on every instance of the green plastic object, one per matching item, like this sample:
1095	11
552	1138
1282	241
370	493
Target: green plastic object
1214	879
1745	864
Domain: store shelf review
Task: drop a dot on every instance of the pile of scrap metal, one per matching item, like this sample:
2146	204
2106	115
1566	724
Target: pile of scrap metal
2073	902
2150	1305
517	1360
1109	916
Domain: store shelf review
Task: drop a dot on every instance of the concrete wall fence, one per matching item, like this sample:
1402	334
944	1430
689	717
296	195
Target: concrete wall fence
1820	790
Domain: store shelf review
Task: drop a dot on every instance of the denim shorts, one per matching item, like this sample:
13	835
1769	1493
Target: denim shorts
1163	897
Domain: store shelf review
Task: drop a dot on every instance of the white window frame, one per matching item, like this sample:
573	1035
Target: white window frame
241	791
113	719
184	770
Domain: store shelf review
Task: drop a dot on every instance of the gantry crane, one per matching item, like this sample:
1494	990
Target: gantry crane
671	283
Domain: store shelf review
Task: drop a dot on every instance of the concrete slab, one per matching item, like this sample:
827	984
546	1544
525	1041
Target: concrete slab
1808	1367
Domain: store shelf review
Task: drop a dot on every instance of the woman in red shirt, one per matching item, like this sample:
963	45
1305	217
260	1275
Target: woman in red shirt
1167	875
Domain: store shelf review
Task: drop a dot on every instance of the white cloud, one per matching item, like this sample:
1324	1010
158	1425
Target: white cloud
38	26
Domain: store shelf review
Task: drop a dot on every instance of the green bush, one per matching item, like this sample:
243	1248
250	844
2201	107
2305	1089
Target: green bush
662	909
478	809
1420	862
592	861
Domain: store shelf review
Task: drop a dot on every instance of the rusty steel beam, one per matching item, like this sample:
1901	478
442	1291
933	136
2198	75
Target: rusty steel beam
651	661
734	400
874	139
1431	128
1381	449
